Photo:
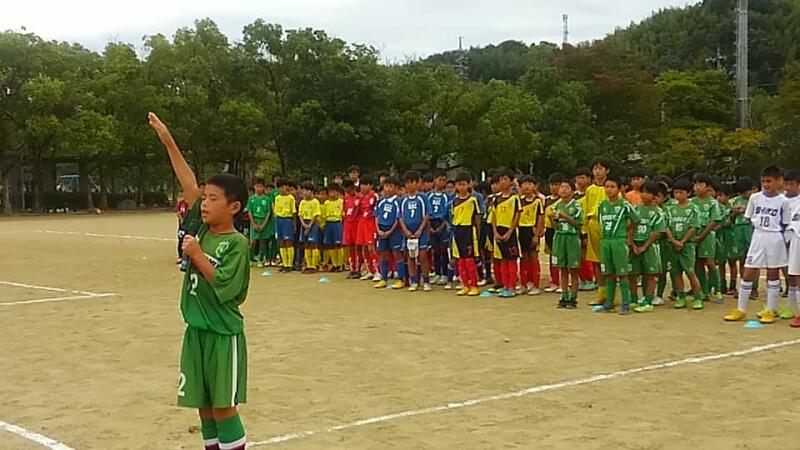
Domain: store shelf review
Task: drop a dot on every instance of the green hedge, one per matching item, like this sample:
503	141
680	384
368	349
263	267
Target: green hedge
77	201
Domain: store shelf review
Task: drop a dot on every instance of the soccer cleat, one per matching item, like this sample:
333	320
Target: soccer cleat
717	298
795	323
398	285
559	291
481	283
697	304
624	309
562	304
645	308
550	288
767	317
434	279
534	291
572	304
786	313
761	313
380	285
413	287
680	303
608	306
658	301
448	286
366	277
442	281
376	278
463	292
353	276
474	292
496	288
735	316
427	287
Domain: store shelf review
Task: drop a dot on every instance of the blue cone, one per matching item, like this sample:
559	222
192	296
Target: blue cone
266	273
324	280
486	294
598	308
753	325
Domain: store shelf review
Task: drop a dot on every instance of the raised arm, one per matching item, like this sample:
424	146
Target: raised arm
182	170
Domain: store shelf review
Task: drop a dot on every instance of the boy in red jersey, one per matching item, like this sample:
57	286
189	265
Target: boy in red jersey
352	203
365	239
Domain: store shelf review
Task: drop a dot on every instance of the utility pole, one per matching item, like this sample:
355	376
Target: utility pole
565	19
742	99
462	62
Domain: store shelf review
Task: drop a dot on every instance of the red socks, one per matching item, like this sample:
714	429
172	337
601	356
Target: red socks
524	272
586	272
468	272
535	272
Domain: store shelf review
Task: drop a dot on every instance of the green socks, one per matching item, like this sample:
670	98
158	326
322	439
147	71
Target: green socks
208	429
701	276
716	282
611	290
625	289
662	285
231	434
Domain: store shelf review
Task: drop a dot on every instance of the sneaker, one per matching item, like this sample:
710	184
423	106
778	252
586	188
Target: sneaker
625	309
795	323
519	290
442	281
761	313
608	307
381	284
596	302
768	317
786	313
448	286
434	279
735	316
534	291
481	283
366	277
474	292
496	288
645	308
559	291
462	292
427	287
680	303
398	285
550	288
460	286
353	276
377	277
658	301
507	293
698	304
562	304
572	304
413	287
717	298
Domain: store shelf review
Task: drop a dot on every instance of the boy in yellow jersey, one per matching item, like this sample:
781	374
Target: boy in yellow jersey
334	210
531	228
309	212
285	213
550	201
505	220
465	215
595	194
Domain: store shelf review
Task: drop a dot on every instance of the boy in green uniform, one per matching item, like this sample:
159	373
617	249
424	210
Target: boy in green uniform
646	258
662	200
213	375
725	256
617	219
742	228
567	216
682	223
706	240
260	208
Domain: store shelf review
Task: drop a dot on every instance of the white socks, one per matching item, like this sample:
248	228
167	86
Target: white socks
793	298
745	288
773	294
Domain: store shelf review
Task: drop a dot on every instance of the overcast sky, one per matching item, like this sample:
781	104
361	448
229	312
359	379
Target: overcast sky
399	28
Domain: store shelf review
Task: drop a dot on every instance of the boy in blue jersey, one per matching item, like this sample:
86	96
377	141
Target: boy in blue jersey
414	218
440	232
390	236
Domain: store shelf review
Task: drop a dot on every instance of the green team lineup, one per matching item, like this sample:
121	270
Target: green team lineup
494	246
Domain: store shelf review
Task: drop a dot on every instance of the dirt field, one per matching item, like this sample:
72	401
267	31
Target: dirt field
100	372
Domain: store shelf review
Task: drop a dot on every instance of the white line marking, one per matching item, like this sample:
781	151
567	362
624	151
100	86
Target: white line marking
525	392
114	236
42	440
55	299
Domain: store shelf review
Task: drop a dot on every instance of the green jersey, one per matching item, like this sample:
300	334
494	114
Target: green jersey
681	219
741	203
214	305
708	209
614	218
725	210
651	220
573	210
259	206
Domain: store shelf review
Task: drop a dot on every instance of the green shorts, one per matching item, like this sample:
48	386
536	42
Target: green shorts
213	370
614	257
724	244
649	262
742	234
707	249
267	233
683	261
567	251
663	251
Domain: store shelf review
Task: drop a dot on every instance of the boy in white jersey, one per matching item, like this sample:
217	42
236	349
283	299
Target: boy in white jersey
767	248
791	220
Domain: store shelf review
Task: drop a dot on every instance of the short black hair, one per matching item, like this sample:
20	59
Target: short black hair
602	163
637	172
772	171
615	179
557	177
348	184
338	175
651	187
744	184
703	178
494	179
683	185
569	181
381	174
394	181
452	181
439	173
504	172
792	175
201	183
354	168
585	171
269	186
235	189
483	187
281	182
260	181
308	186
335	187
411	176
366	179
463	176
665	181
528	179
726	189
427	177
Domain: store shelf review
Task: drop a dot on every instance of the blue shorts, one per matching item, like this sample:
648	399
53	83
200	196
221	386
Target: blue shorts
333	233
393	243
424	240
285	228
313	237
441	240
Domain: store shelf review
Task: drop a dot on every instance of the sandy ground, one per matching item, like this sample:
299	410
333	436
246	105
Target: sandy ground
101	373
